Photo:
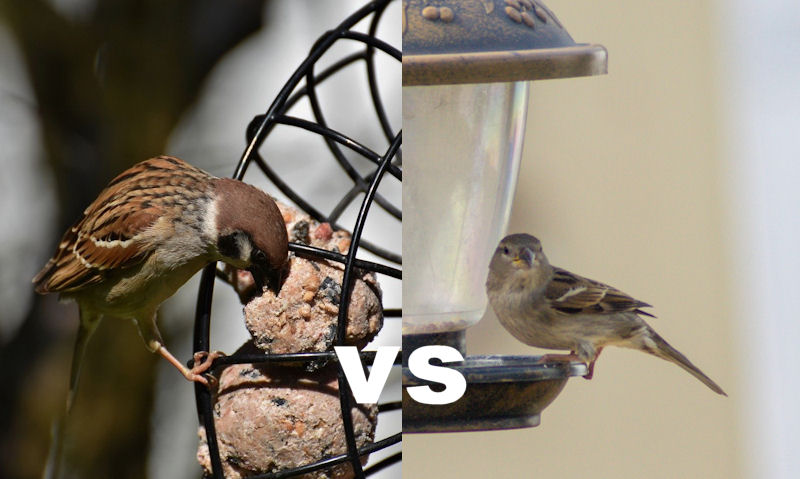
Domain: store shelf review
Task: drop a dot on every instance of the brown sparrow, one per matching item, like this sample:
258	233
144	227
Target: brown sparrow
548	307
152	228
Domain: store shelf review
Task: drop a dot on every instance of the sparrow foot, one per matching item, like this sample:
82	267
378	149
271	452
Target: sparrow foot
560	358
590	374
202	362
568	358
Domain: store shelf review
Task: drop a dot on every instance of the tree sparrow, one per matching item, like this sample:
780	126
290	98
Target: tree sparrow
152	228
548	307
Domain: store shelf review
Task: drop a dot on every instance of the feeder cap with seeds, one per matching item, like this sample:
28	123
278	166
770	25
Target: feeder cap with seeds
483	41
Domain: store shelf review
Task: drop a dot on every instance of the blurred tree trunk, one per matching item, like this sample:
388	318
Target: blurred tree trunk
110	85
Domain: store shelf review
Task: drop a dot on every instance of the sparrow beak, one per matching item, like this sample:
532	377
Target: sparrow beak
265	276
527	256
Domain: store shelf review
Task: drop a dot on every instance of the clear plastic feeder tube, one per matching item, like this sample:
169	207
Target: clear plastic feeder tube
461	148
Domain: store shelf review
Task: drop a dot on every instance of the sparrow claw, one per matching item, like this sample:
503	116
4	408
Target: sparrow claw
201	363
197	378
203	360
561	358
568	358
208	380
590	373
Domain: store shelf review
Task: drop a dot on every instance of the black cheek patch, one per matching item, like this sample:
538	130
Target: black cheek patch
228	245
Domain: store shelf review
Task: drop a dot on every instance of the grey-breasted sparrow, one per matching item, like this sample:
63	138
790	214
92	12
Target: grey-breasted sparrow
548	307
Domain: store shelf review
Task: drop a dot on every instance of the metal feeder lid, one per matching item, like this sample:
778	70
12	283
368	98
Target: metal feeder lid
483	41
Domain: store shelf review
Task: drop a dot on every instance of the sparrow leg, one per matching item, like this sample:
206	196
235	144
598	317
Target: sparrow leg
189	374
590	374
152	339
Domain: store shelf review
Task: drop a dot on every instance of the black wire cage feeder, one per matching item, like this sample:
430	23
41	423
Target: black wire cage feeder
365	168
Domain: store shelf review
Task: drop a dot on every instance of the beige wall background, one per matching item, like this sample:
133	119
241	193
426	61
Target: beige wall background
623	179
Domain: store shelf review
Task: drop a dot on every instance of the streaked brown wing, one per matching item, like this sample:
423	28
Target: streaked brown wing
573	294
106	236
85	252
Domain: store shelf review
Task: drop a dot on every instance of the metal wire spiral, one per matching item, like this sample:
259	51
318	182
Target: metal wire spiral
389	161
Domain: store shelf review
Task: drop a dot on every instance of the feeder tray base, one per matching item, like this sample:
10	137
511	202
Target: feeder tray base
503	392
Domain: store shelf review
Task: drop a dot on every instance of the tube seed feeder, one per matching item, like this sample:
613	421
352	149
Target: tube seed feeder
467	68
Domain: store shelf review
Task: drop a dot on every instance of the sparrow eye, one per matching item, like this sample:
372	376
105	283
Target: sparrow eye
260	256
506	250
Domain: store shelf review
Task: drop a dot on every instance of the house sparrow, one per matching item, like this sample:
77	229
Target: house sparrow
548	307
152	228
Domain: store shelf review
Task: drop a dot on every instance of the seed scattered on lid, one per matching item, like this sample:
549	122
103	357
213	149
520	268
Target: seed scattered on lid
541	14
446	14
514	14
430	12
528	19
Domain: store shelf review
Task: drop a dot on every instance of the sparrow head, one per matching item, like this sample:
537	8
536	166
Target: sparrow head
519	256
519	251
251	233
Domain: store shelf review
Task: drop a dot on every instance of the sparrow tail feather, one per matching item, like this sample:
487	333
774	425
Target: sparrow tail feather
53	467
87	326
665	351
